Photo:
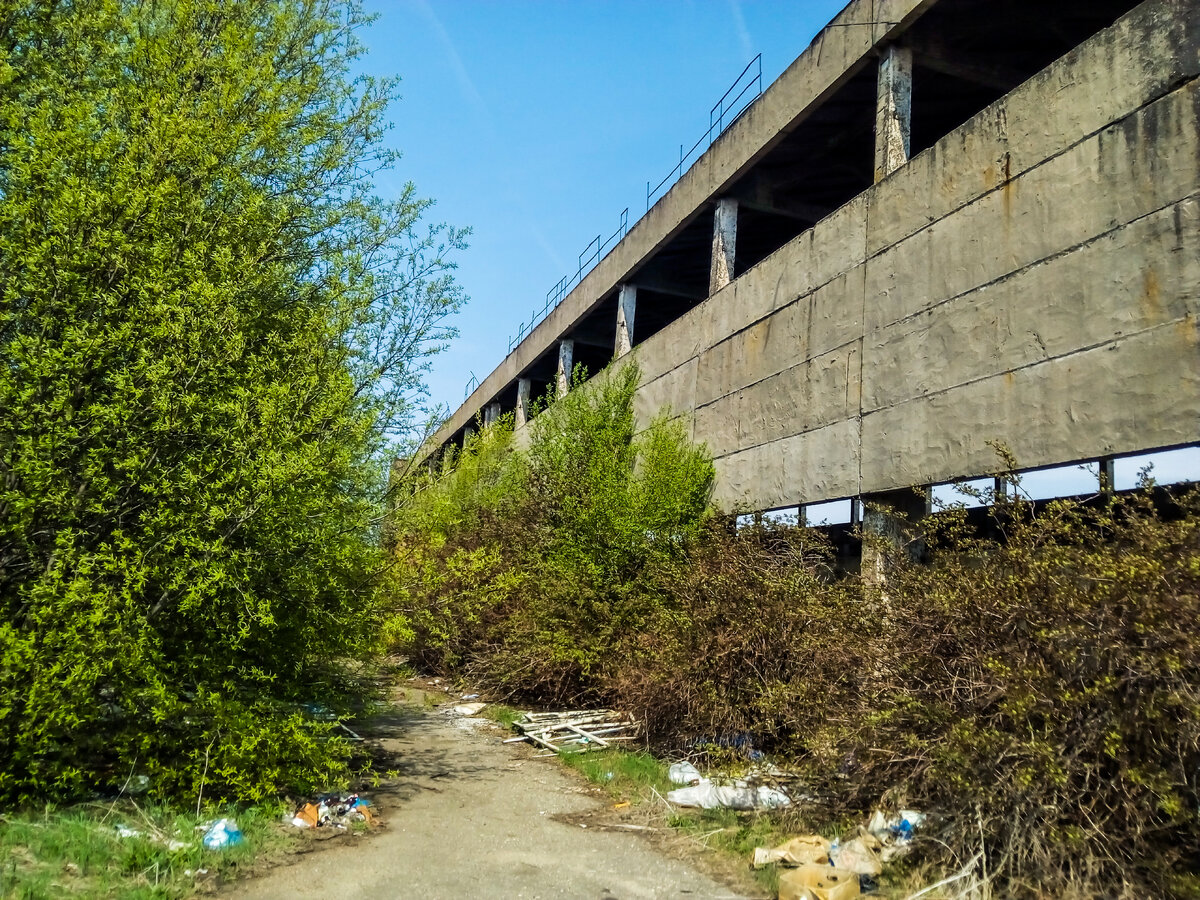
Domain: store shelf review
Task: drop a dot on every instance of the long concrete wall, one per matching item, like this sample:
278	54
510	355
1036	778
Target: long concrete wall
1032	279
843	47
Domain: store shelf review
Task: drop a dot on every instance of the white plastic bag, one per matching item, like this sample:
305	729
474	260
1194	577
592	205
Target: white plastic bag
684	773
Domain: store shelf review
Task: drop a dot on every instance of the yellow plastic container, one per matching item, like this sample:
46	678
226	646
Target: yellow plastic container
814	882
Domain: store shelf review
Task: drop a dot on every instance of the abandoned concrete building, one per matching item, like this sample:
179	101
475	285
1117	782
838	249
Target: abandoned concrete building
948	224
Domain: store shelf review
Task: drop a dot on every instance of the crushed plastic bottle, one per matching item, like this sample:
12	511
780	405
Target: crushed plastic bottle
224	833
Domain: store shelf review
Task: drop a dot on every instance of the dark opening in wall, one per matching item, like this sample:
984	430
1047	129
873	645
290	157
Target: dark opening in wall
827	160
967	54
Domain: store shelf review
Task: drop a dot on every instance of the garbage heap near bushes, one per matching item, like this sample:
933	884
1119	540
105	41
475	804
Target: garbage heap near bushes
1037	686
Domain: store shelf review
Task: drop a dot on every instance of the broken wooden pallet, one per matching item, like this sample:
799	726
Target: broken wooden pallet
575	731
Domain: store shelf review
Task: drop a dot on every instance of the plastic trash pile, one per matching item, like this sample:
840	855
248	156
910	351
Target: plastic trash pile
831	870
334	811
743	793
221	834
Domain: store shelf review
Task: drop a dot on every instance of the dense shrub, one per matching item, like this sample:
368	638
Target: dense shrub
1037	688
523	567
1041	691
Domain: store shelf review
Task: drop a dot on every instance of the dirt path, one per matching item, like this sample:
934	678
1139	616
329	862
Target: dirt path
472	817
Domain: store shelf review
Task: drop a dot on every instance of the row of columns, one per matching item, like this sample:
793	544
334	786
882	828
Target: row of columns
893	144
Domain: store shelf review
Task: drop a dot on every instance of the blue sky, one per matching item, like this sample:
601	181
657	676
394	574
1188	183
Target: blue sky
536	123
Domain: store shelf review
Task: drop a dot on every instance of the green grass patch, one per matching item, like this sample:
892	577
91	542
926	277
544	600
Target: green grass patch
625	774
79	852
501	714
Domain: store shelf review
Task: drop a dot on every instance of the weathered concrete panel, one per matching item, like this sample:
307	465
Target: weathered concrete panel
807	396
1117	398
674	391
686	337
1128	170
1146	54
1138	277
815	465
816	323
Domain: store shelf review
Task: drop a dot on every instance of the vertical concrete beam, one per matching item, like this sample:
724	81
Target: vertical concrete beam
892	526
566	362
893	112
1108	476
491	413
468	433
524	388
724	244
626	308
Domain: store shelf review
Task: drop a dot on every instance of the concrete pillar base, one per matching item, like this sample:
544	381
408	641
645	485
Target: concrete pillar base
891	528
626	310
724	246
893	112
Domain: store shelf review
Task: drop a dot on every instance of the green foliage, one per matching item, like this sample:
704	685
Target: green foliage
209	328
524	567
1049	685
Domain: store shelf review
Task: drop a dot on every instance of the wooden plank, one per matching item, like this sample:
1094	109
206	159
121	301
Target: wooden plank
588	736
543	742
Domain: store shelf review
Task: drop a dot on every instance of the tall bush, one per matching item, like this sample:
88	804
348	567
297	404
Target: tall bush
533	580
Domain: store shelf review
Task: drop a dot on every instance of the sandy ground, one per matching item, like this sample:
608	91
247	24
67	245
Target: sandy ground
472	817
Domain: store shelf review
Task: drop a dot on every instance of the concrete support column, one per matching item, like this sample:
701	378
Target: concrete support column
468	433
566	362
491	413
893	112
524	388
1108	476
891	526
724	245
626	308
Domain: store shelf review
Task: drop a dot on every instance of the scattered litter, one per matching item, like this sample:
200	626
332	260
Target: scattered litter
334	811
810	848
684	773
575	731
817	882
224	833
739	795
124	831
467	709
859	855
469	697
622	805
894	834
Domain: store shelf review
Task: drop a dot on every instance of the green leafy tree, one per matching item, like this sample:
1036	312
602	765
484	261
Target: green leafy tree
210	329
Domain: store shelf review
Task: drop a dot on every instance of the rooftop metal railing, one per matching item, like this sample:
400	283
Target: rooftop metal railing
595	250
746	88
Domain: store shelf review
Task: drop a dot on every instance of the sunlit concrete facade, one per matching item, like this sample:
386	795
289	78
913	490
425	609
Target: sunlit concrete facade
948	224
